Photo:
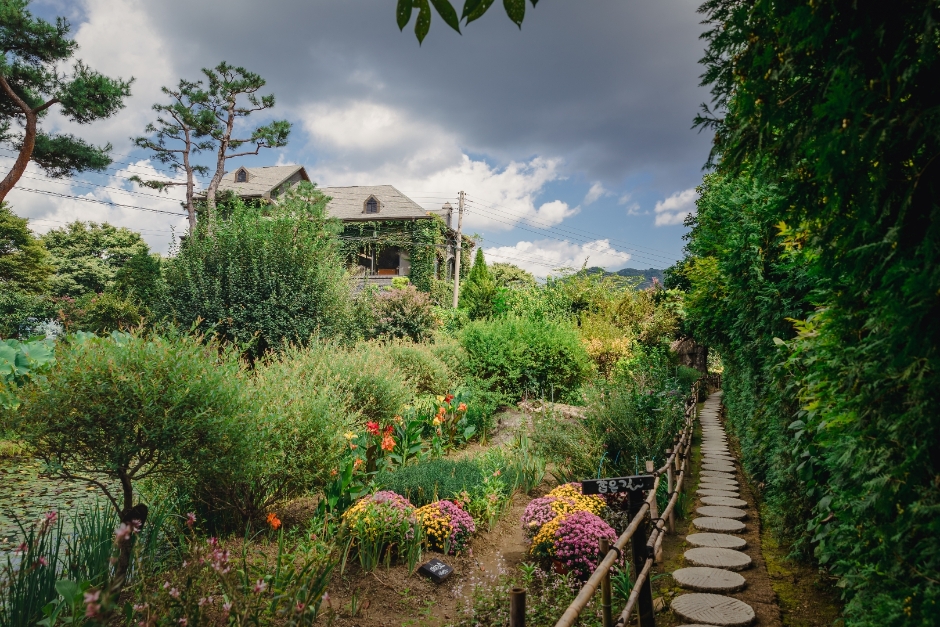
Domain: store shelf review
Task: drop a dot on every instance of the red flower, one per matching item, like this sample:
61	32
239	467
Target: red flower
448	398
389	429
372	427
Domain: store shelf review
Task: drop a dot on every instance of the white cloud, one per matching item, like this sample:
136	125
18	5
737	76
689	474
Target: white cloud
368	143
542	257
633	207
673	210
594	194
59	201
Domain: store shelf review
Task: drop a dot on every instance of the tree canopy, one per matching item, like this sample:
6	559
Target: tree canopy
32	82
24	262
472	10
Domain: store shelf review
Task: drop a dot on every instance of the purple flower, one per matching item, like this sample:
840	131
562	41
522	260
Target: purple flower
576	541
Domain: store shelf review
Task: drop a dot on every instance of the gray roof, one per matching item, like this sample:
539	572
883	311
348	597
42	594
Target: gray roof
349	203
261	181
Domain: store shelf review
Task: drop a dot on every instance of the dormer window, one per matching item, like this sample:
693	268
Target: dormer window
372	205
241	176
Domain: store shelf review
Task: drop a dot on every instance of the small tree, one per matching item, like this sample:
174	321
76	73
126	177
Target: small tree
124	408
478	293
24	263
186	123
228	86
31	82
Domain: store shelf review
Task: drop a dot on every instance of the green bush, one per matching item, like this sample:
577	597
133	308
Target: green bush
262	278
103	313
450	351
522	357
403	313
23	314
686	377
423	370
131	407
430	480
571	447
289	441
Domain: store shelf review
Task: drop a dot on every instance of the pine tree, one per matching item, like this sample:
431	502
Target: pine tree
478	293
32	82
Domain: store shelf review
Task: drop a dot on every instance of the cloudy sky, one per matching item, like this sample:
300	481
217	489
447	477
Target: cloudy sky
571	138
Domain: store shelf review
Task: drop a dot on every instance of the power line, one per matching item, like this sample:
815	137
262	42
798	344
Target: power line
97	201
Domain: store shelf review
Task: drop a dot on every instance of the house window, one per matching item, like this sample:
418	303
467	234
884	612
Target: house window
241	176
372	206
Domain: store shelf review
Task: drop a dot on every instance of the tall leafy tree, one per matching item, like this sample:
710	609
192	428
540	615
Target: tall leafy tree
182	130
87	256
478	293
233	94
32	82
24	262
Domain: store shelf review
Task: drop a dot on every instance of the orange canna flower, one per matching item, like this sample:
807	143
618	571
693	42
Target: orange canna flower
358	463
388	443
462	407
274	521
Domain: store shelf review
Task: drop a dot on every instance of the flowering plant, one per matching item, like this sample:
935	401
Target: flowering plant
576	542
373	445
447	527
565	499
380	527
450	421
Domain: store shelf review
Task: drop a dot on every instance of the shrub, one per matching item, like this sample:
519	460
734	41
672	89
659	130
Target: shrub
452	354
131	407
262	279
103	313
527	357
423	370
403	313
289	442
23	314
447	527
572	448
576	540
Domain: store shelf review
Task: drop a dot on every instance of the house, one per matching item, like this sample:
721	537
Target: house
385	234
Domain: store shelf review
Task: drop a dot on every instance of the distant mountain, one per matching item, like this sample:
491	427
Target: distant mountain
647	275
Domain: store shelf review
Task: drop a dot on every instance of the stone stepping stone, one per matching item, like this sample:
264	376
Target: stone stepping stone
721	450
728	501
717	461
716	541
704	579
708	483
712	609
721	525
718	558
715	474
733	494
720	511
716	467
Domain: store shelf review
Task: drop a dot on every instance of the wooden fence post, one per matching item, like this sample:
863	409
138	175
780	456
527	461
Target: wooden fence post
607	617
517	607
670	485
640	554
654	506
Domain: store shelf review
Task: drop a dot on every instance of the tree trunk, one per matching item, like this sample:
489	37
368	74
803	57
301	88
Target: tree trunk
29	141
220	158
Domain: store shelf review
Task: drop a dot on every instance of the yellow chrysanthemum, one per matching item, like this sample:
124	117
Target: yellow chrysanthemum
544	540
593	504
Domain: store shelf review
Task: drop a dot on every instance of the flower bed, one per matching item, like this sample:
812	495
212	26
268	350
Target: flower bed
447	527
383	527
563	500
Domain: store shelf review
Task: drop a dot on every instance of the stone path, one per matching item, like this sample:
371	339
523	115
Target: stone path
717	553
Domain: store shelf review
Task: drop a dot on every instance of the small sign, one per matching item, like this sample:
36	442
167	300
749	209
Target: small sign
436	570
617	485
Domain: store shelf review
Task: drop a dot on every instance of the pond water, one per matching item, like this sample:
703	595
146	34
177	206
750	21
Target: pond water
26	495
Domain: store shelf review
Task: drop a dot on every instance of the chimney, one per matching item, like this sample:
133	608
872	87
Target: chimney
447	212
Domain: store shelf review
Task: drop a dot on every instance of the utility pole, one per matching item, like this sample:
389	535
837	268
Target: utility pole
458	249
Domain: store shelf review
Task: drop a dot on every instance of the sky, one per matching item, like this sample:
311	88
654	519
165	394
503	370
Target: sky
571	137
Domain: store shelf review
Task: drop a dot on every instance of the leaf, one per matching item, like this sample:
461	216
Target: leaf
447	12
515	9
474	9
423	23
403	13
779	342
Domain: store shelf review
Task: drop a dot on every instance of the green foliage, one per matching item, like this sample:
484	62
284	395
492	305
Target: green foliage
87	256
403	313
289	439
826	145
29	582
527	357
131	407
479	294
21	362
24	263
104	313
23	314
424	371
35	55
509	275
259	280
140	280
472	10
432	480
